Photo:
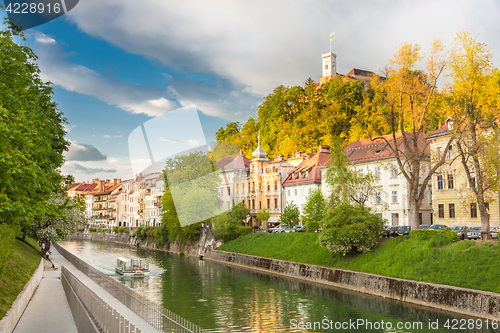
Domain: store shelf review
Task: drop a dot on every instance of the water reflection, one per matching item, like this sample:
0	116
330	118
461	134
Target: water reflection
223	298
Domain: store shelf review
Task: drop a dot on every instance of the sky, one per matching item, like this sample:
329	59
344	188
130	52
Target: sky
118	64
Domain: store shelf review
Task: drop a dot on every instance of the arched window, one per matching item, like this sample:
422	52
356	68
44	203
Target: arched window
326	66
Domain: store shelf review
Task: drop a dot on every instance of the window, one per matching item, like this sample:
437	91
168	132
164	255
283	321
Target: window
393	173
237	188
228	191
326	66
395	219
450	181
288	192
472	183
449	153
473	210
275	185
440	183
295	192
260	204
451	208
441	211
377	173
268	201
378	198
419	218
487	206
253	203
394	196
268	187
438	152
275	203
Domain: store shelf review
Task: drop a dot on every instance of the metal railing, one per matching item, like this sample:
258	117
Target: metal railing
159	317
84	302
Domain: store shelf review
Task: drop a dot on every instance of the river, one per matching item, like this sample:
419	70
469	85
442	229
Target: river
221	298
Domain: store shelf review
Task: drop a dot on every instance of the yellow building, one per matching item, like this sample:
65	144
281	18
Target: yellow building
453	200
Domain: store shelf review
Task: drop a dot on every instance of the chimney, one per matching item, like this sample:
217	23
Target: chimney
115	181
101	185
324	149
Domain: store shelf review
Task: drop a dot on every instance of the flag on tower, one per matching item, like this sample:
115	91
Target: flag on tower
331	36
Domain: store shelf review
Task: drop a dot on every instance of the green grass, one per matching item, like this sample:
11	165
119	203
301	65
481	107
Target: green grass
463	264
22	264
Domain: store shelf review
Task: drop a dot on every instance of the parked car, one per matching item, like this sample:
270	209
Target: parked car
403	230
276	229
461	231
390	232
494	232
299	228
424	226
474	233
284	229
437	227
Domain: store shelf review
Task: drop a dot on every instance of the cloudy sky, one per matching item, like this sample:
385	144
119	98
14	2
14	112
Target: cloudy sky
117	64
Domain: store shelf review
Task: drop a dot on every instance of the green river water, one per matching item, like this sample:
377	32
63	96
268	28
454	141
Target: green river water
221	298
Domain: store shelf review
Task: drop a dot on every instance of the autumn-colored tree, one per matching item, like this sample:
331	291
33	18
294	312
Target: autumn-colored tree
406	102
475	96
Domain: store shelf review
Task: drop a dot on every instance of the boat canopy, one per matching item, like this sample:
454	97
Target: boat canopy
132	263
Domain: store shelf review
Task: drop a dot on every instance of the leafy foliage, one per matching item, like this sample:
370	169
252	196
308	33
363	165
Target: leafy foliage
299	118
428	234
314	210
291	215
225	225
31	136
263	215
6	244
347	184
350	228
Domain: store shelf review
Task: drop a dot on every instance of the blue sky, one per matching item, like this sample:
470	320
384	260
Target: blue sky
117	64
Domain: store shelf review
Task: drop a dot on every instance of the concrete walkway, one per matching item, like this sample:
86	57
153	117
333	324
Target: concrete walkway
48	310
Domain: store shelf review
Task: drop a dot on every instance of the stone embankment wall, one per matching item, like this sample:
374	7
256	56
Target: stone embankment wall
193	249
466	301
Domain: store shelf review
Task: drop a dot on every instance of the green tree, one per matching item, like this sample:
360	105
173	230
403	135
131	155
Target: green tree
347	184
225	225
263	215
350	228
31	135
65	218
191	194
291	215
314	210
475	95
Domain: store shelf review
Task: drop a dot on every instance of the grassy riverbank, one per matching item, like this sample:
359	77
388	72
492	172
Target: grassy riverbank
22	264
463	264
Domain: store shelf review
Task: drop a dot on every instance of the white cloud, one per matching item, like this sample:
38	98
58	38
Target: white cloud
107	169
261	44
83	152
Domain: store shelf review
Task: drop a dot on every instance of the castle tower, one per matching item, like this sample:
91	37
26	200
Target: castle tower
329	65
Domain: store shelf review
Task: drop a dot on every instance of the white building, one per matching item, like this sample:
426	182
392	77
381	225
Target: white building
305	177
391	196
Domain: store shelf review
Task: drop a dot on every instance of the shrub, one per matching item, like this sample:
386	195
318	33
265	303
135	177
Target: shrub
81	229
93	229
126	230
429	233
350	228
115	229
242	231
121	229
100	229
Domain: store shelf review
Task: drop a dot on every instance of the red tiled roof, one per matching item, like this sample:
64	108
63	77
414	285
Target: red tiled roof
231	162
367	150
355	72
308	170
441	130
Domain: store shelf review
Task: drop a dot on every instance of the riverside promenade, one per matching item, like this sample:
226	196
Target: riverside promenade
49	311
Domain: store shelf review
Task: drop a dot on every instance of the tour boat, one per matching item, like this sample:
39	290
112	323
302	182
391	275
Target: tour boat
132	266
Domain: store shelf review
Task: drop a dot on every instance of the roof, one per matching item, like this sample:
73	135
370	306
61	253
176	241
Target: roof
231	162
360	72
443	130
308	171
367	150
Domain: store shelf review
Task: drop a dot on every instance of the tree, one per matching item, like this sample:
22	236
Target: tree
64	219
225	225
347	184
475	95
191	194
31	135
263	215
350	228
291	215
407	102
314	210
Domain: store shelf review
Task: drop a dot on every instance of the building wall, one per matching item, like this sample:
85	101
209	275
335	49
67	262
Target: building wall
297	194
456	192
